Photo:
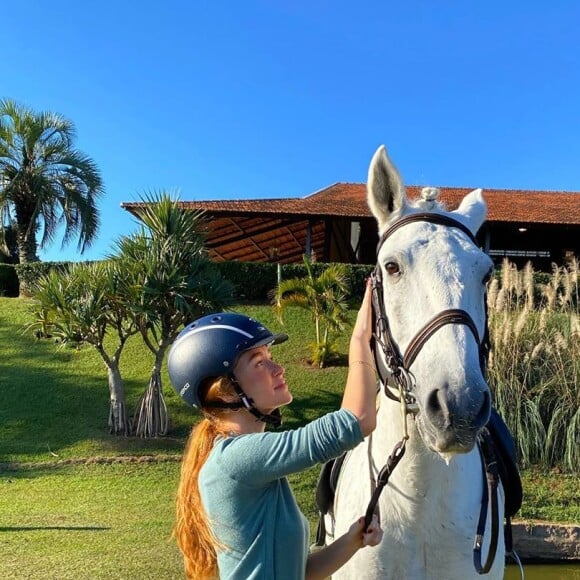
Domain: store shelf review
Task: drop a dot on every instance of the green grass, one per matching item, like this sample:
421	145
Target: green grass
94	521
113	520
552	497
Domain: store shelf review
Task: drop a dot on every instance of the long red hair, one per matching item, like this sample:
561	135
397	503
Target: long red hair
192	531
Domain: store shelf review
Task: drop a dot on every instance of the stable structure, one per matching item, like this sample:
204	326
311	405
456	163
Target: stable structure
335	225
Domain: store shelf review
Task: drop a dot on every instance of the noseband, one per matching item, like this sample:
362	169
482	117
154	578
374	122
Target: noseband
395	367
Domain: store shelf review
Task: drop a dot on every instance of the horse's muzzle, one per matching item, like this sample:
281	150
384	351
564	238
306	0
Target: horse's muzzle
447	427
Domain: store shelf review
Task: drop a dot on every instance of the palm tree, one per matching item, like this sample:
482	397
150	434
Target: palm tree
325	296
44	181
174	283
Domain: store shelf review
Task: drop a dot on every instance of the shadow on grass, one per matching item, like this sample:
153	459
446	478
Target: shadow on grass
57	398
54	528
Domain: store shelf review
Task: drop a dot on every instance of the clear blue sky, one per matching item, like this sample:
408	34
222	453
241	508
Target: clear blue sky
262	99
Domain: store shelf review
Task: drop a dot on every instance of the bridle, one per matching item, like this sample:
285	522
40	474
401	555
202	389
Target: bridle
394	370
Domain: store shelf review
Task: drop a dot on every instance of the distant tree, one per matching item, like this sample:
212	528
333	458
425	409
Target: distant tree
44	181
174	283
83	305
325	297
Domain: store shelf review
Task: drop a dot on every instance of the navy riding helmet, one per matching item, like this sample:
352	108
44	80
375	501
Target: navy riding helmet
209	347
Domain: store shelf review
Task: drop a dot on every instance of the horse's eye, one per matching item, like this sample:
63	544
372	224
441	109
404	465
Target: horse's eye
392	268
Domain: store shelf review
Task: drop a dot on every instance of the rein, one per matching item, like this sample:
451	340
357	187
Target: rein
394	372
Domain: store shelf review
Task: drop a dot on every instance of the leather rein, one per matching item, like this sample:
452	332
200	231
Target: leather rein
393	368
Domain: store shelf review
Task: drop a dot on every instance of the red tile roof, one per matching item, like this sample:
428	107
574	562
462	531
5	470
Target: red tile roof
349	199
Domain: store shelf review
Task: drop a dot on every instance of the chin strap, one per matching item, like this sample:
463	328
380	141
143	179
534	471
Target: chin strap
274	418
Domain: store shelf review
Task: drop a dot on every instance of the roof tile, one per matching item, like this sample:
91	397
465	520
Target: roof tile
349	199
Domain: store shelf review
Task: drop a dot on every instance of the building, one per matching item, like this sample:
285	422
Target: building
335	225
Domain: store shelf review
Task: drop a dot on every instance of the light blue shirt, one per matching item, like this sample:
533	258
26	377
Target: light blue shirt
250	505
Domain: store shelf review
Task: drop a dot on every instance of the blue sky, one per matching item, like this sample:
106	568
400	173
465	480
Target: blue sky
264	99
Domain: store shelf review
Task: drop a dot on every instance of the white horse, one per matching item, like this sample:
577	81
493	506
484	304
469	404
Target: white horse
430	508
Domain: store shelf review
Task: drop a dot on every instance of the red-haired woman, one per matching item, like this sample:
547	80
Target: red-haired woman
237	517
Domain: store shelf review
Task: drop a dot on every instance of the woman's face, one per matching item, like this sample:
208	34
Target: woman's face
262	379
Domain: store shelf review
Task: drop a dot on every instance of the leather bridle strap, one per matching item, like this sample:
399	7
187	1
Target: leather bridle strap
452	316
433	218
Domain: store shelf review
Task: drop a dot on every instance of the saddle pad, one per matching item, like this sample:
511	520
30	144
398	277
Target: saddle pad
327	481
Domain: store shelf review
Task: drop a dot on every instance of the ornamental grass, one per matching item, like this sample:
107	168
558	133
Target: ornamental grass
534	362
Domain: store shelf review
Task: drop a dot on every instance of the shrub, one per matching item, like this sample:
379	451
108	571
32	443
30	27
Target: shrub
31	272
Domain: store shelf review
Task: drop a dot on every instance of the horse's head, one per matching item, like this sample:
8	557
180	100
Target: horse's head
431	270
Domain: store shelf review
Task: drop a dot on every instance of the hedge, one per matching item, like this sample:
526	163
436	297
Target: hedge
29	273
253	281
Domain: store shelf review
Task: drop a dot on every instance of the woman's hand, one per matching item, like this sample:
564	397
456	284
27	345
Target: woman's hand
324	562
371	537
363	326
360	392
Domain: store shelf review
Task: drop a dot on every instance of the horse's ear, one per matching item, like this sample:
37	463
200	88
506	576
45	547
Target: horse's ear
385	190
473	209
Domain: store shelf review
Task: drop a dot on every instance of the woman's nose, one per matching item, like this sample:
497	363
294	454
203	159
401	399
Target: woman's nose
276	368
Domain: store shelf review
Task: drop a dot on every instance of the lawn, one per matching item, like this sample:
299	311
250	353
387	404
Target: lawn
89	521
72	507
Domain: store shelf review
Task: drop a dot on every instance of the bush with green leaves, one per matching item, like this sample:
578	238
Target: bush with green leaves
325	297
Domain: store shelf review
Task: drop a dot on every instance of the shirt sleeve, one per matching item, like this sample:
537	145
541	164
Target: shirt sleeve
258	458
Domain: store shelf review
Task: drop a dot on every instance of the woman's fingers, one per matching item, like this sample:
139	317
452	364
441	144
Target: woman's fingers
373	534
364	316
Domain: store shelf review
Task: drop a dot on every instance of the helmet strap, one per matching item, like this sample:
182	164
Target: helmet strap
274	418
225	405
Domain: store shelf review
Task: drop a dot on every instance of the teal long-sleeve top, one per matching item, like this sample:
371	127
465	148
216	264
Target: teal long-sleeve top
249	503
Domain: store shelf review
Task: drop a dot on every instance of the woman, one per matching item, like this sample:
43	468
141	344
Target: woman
236	514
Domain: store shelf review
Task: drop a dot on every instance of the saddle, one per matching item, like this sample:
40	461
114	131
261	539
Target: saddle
505	453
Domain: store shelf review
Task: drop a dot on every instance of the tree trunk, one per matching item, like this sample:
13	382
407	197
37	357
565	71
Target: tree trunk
151	414
26	235
151	419
119	423
27	247
325	353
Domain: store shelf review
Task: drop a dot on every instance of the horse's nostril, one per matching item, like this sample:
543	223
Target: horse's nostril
433	402
437	409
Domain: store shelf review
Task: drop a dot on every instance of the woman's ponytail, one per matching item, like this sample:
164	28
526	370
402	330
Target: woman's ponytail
192	531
